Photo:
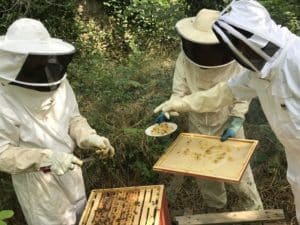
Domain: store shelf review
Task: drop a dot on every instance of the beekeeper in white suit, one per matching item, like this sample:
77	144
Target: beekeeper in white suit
271	53
40	125
203	63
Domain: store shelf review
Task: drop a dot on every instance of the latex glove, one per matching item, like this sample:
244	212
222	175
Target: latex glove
61	162
165	117
173	106
234	126
100	144
161	118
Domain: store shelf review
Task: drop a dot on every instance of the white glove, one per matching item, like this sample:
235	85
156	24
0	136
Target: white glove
173	105
61	162
16	160
169	114
100	144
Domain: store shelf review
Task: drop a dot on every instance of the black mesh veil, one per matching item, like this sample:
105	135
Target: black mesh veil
206	55
43	72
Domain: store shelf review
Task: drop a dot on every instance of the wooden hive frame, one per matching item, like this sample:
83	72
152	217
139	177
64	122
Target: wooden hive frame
172	161
138	205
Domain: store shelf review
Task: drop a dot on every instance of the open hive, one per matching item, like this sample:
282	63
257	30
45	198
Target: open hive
142	205
207	157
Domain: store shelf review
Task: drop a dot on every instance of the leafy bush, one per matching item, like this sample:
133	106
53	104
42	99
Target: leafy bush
118	100
193	6
283	12
286	13
5	214
144	23
58	17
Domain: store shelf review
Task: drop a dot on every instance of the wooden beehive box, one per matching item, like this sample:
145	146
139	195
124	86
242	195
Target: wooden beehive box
207	157
141	205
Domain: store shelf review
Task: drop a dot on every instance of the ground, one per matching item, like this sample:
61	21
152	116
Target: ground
273	197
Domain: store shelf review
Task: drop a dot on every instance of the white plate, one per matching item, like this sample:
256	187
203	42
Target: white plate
160	130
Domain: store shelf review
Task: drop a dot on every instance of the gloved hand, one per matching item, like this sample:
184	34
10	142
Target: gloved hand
173	106
233	127
17	160
165	117
161	118
60	162
100	144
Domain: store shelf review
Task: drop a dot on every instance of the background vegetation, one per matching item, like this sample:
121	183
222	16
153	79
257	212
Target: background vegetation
123	69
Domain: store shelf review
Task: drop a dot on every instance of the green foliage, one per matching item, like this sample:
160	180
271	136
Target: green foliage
193	6
255	114
283	12
118	100
6	190
95	34
5	214
286	13
58	17
144	24
123	27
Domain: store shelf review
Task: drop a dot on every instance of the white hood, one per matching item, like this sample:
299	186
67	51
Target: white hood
262	31
251	16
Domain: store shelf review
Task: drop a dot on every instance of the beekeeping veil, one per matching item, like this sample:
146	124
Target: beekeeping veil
248	31
199	43
30	58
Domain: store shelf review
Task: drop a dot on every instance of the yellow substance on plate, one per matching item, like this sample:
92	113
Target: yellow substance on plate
161	129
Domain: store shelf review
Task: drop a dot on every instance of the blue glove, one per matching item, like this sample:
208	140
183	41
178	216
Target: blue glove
161	118
234	126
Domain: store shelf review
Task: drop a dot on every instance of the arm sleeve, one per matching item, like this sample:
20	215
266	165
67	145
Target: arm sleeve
287	85
15	160
79	128
239	108
9	132
210	100
235	91
71	98
180	87
240	88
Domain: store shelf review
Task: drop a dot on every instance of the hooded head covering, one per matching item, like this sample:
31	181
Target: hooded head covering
29	57
199	43
30	36
250	33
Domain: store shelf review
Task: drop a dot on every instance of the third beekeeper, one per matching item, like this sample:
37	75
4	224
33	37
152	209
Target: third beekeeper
202	64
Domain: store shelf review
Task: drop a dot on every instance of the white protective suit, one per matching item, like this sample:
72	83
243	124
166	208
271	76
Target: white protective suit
190	79
40	125
277	85
45	198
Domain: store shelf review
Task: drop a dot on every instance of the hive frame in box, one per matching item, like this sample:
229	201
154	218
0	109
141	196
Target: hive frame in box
180	158
147	212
